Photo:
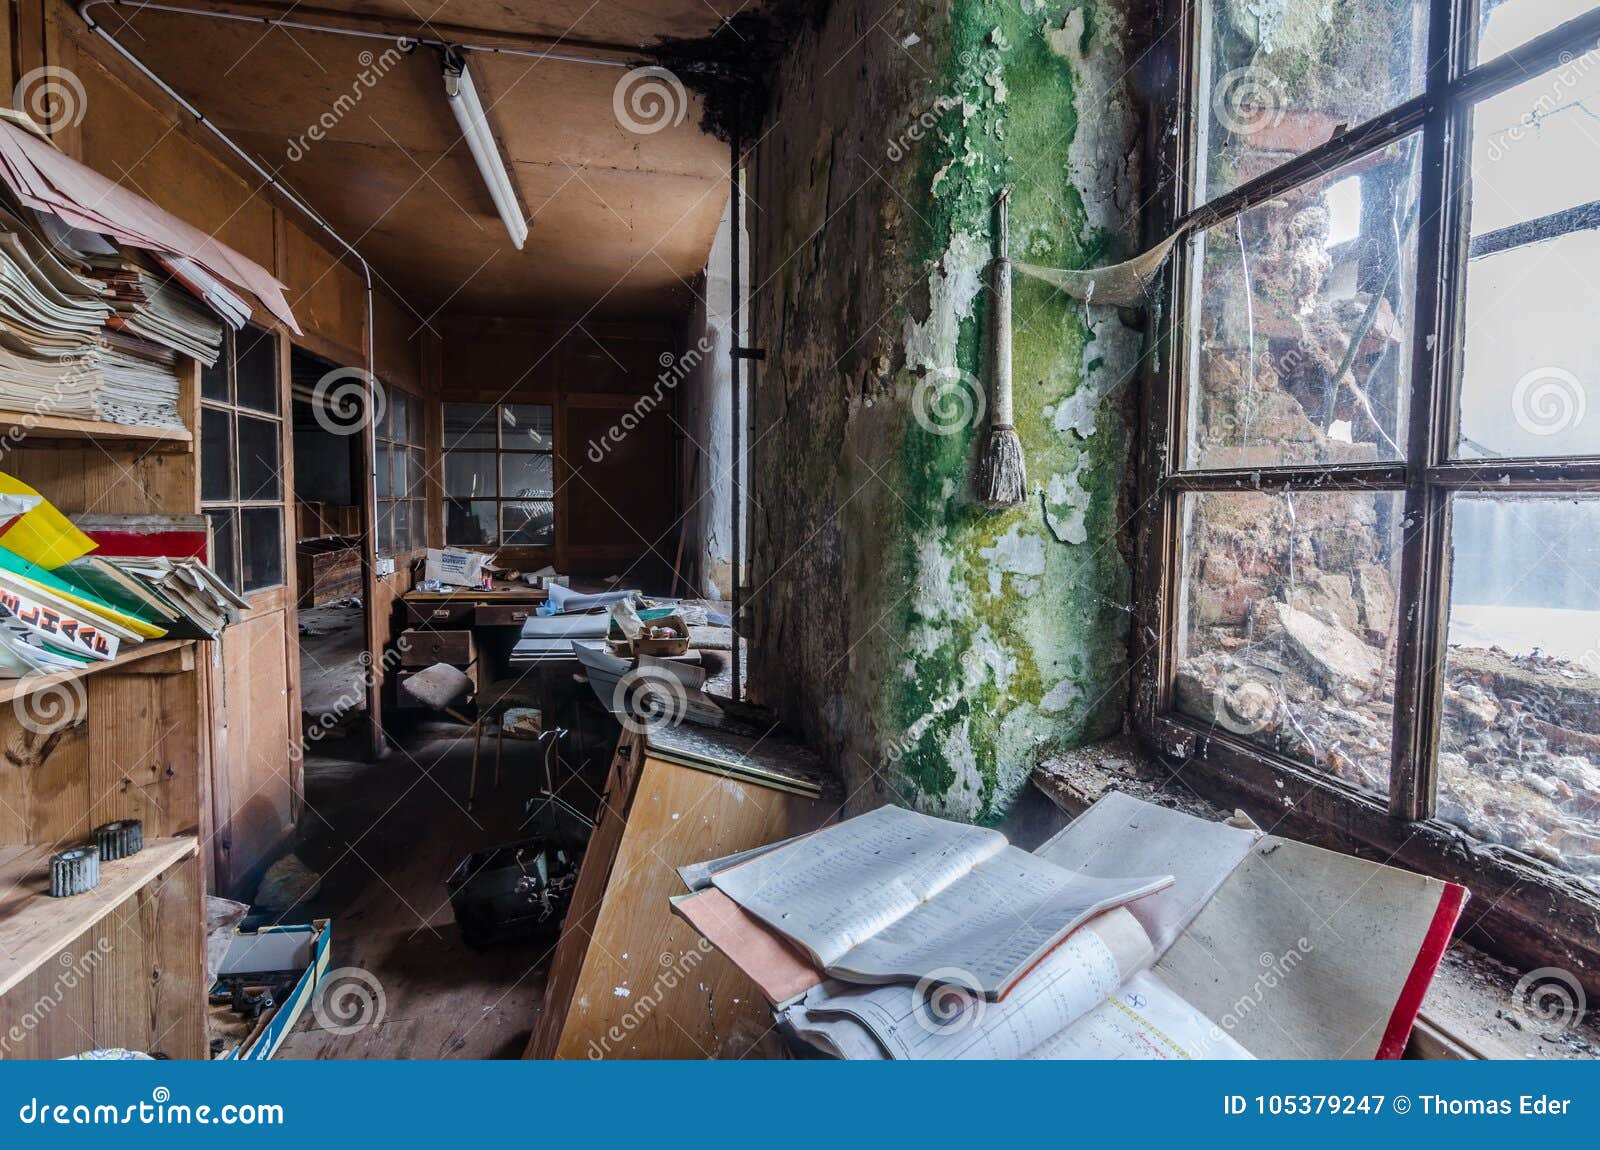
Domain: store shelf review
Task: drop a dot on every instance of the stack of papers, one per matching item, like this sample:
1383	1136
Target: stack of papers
56	353
201	601
156	308
47	180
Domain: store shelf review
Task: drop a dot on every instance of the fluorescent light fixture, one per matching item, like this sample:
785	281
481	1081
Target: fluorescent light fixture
462	96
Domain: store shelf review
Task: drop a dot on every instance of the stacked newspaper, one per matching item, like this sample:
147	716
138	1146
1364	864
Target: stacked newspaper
55	350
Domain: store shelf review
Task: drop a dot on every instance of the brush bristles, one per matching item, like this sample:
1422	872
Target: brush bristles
1002	473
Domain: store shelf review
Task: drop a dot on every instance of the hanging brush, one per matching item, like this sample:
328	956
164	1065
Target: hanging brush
1002	472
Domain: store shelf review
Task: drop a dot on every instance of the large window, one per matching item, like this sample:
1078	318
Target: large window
241	460
499	474
1374	555
401	475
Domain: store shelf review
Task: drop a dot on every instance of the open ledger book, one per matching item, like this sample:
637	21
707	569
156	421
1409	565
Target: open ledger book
894	895
1261	947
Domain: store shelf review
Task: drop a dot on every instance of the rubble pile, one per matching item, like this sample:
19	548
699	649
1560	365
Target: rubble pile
1290	622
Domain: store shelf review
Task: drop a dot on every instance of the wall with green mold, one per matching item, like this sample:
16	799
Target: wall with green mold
933	649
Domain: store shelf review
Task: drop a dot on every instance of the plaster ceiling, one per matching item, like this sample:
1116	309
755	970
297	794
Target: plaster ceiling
620	221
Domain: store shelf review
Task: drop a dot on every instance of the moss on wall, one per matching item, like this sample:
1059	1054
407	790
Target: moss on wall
972	641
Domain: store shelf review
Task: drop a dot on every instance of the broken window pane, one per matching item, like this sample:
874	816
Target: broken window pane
1300	322
1278	79
1530	362
1507	24
1287	624
1519	758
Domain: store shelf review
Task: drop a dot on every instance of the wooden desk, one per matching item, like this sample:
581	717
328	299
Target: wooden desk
465	607
629	978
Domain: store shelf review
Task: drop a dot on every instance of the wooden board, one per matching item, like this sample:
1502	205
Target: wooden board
34	926
630	980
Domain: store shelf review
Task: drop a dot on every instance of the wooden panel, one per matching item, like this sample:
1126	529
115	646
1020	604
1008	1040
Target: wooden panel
328	298
684	999
145	750
619	510
149	147
256	796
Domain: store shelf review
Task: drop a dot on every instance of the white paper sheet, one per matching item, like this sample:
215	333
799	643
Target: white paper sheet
1145	1020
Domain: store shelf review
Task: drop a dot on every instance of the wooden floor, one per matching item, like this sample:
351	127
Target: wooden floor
385	836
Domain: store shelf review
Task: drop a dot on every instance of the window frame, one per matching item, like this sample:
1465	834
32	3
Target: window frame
385	446
1401	827
499	450
235	507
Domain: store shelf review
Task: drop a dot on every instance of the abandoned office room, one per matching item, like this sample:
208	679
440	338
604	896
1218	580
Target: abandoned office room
537	529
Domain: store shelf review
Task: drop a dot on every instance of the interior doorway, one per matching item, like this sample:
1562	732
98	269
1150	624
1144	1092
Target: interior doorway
329	419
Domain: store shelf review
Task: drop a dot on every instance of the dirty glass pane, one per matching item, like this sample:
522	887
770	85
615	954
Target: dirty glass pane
1287	627
1519	748
224	554
216	454
523	475
257	369
1277	78
1507	24
529	522
1300	321
381	470
527	427
472	474
417	475
468	425
261	547
260	458
419	525
471	521
1530	359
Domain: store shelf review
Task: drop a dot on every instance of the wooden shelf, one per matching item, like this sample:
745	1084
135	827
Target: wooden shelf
19	427
35	928
172	650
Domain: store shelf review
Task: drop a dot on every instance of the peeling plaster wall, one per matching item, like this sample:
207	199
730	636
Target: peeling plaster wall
930	647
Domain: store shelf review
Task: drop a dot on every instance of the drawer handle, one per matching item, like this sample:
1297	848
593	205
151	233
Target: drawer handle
441	612
518	616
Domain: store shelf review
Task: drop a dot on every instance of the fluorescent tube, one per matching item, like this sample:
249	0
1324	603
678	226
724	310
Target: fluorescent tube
462	96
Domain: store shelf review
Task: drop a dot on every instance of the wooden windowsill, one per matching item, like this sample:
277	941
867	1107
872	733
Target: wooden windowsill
35	928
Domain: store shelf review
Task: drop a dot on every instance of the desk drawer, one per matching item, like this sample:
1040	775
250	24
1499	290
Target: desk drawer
426	647
503	614
438	616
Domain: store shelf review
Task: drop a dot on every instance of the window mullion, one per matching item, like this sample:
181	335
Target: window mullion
1423	599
